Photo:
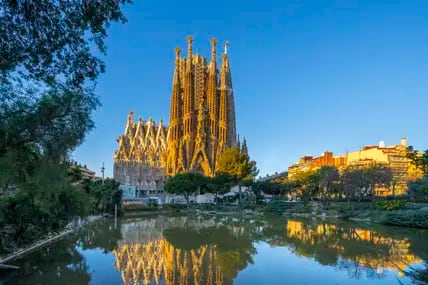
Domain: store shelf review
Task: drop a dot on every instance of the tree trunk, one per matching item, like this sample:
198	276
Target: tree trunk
374	196
186	196
240	195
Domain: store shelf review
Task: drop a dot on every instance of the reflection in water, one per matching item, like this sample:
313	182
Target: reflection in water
194	253
158	260
218	250
366	247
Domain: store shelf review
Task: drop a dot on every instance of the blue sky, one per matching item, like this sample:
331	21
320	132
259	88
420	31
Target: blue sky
308	76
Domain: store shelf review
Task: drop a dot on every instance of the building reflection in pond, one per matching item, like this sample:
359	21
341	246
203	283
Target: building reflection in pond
189	253
159	260
368	248
218	250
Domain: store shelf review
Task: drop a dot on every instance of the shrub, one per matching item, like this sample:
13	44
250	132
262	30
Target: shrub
138	207
276	207
391	205
152	204
409	218
175	207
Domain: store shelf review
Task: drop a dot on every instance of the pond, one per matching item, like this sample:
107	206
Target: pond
228	250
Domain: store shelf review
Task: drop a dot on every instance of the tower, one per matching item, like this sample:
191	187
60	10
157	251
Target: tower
175	117
227	125
188	99
213	100
201	125
208	112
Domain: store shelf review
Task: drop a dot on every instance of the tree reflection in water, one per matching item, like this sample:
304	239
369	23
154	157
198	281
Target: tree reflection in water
62	262
213	250
207	255
355	250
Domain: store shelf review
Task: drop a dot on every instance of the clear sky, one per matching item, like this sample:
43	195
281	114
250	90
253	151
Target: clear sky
308	76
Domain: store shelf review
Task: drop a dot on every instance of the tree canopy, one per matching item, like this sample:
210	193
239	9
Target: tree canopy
237	164
418	158
185	184
49	63
48	71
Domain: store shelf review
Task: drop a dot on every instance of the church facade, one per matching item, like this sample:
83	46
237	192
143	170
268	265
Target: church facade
202	124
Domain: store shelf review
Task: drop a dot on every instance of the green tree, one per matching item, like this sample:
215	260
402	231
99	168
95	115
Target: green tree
328	176
355	183
418	188
418	159
186	184
237	164
48	71
44	204
219	184
105	195
258	189
309	184
378	175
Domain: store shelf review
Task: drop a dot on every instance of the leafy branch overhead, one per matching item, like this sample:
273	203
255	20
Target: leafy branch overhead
53	40
49	63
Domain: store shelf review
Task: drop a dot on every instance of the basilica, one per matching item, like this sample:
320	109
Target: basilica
202	124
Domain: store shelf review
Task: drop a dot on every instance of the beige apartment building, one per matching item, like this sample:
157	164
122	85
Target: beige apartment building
393	156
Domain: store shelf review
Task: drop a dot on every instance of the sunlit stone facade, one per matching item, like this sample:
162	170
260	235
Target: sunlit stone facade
202	124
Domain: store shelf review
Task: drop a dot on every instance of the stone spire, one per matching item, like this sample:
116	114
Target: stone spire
212	98
244	148
189	50
212	81
227	129
188	104
129	124
174	131
175	111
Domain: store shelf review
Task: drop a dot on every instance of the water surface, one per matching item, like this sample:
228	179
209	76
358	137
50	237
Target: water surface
228	250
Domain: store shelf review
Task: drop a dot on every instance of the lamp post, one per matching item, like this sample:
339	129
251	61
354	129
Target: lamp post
102	172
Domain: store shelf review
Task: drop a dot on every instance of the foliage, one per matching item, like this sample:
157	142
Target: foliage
51	41
186	184
309	184
418	188
48	72
408	218
419	159
236	164
219	184
328	175
327	183
391	205
105	195
276	206
46	63
51	200
45	204
151	206
378	175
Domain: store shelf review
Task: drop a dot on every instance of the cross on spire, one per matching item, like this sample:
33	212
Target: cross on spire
226	44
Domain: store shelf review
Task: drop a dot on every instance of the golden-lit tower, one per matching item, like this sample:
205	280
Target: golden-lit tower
201	126
188	106
227	125
213	100
175	116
